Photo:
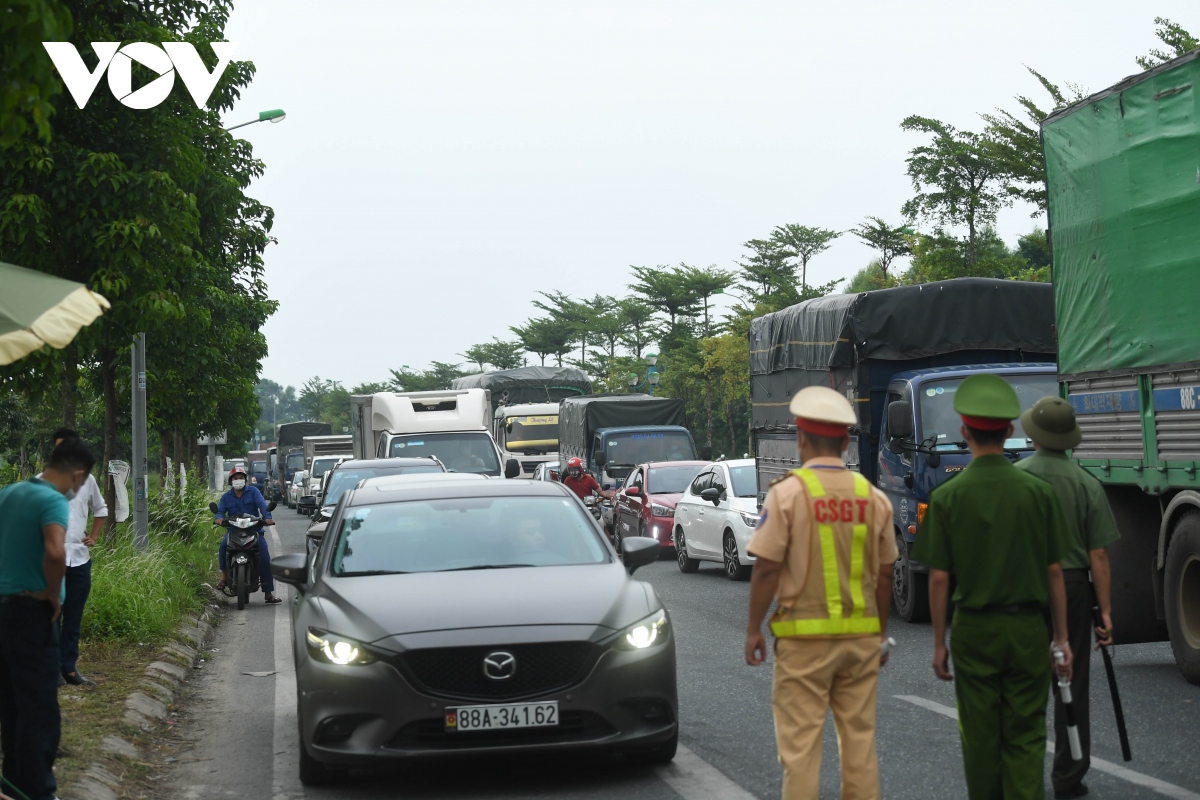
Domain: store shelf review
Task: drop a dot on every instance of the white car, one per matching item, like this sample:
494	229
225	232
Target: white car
716	516
296	488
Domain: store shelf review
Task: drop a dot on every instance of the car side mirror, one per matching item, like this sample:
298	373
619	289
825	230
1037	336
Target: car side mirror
712	494
899	420
307	503
213	508
601	459
637	551
633	491
290	568
512	468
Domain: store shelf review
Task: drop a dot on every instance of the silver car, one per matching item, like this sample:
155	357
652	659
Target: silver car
451	615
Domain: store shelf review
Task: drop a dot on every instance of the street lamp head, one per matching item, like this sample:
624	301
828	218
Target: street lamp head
632	379
652	358
274	115
652	378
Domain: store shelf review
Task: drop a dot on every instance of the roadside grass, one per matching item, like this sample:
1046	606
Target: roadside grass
138	601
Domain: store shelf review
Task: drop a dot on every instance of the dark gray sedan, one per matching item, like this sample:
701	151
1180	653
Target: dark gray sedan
443	616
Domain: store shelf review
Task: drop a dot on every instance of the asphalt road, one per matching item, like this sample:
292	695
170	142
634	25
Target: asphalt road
241	742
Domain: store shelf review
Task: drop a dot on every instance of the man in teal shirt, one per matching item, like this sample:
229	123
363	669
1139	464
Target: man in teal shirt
34	515
1050	422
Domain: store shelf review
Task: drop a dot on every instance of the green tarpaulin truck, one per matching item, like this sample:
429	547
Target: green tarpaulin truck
1123	176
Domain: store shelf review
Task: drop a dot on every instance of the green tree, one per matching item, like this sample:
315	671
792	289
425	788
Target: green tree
707	283
437	377
767	273
477	353
28	82
371	387
545	336
1177	41
955	177
572	315
871	277
639	330
806	242
504	355
314	396
888	241
666	290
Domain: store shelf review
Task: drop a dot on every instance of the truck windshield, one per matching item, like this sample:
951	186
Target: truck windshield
940	421
258	467
531	434
630	449
460	452
320	466
295	461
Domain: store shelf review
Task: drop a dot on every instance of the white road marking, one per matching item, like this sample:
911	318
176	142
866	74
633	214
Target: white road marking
693	778
1098	764
285	783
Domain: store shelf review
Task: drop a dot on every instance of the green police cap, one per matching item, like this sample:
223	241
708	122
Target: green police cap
987	396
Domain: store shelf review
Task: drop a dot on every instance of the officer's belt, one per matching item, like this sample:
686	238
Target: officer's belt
1016	608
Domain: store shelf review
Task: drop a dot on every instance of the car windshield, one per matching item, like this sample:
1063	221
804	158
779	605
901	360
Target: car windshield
745	481
295	461
940	421
465	534
628	449
344	479
460	452
321	465
531	433
671	480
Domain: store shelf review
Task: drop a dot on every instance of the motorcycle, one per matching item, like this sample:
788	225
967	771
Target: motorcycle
241	553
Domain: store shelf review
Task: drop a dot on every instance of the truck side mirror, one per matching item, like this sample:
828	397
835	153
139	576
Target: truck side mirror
512	468
706	453
600	458
899	420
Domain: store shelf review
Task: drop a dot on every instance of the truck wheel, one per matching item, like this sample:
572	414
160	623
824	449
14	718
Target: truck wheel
910	590
686	563
1181	588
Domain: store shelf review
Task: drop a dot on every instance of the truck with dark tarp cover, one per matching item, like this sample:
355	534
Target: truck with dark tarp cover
1124	208
898	355
613	433
524	410
288	454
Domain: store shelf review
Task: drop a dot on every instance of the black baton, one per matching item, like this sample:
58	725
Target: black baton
1098	619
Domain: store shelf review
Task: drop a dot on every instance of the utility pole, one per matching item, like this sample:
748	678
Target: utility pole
141	511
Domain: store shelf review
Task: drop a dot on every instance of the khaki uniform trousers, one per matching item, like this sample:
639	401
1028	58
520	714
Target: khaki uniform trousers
812	675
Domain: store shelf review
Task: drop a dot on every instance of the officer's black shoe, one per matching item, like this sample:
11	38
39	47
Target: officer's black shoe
1079	790
61	680
76	679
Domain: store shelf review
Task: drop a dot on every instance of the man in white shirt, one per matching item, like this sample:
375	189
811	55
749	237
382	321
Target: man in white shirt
78	578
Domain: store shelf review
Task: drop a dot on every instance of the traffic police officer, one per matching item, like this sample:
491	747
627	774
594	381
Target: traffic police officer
1000	530
1050	423
825	550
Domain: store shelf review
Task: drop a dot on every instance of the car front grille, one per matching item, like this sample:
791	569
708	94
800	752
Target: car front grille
457	672
574	726
529	466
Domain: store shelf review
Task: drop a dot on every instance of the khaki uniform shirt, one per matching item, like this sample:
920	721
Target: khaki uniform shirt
1083	503
786	531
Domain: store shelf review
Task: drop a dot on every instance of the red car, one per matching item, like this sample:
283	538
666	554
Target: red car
645	504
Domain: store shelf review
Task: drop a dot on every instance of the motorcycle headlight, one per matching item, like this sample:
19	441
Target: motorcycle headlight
334	649
661	511
750	519
645	633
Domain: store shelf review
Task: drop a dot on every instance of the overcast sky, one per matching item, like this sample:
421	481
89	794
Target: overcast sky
442	162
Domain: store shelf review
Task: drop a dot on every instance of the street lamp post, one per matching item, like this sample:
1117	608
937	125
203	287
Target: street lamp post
273	115
652	375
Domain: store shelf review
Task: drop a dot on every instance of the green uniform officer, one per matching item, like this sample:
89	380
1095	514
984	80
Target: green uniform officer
1002	533
1050	422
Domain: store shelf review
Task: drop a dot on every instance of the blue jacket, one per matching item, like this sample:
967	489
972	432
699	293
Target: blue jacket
250	503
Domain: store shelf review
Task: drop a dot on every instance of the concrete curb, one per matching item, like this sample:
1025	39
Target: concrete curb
145	708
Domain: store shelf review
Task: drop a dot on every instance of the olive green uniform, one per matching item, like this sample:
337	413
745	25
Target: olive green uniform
998	529
1092	527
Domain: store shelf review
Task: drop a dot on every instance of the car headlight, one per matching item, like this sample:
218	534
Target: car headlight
661	511
334	649
645	633
750	519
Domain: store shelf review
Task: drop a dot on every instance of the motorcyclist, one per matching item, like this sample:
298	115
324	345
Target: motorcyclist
580	482
245	499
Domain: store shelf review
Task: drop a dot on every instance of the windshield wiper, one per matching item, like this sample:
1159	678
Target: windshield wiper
485	566
361	572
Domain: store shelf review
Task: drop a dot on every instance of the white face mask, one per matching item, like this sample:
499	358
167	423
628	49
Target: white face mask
239	483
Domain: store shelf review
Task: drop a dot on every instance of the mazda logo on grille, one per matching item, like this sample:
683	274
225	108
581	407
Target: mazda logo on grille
500	665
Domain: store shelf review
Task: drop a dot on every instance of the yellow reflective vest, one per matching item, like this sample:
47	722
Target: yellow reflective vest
838	557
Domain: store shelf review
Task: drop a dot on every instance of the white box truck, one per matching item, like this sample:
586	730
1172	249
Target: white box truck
450	425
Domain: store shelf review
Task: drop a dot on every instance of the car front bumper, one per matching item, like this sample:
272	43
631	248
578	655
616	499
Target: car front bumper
626	699
660	528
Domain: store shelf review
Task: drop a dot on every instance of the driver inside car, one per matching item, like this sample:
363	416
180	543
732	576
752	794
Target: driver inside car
245	499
